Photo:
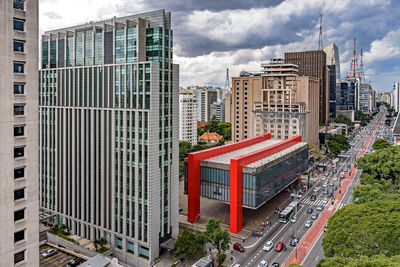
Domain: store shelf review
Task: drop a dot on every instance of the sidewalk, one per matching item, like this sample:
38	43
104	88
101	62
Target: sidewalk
312	235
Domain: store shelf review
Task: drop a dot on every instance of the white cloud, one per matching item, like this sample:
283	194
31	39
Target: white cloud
386	48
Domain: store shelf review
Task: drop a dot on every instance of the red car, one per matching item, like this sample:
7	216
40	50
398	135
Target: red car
238	247
280	246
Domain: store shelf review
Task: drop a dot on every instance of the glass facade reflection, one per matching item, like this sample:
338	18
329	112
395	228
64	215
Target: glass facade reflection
258	188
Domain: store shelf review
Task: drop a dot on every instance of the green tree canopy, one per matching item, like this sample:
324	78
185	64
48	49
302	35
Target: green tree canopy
338	143
341	118
214	125
378	260
219	238
364	230
380	144
190	245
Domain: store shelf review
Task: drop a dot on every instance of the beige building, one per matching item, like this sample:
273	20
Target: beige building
19	220
276	101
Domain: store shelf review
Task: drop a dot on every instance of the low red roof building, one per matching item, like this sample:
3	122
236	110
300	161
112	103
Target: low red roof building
210	138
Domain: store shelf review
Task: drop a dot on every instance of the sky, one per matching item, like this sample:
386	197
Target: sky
211	36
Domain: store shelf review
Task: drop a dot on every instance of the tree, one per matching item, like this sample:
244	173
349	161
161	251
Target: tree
378	260
388	122
219	238
315	152
380	144
366	229
341	118
338	143
190	245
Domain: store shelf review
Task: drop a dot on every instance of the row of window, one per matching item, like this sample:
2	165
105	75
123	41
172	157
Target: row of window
19	130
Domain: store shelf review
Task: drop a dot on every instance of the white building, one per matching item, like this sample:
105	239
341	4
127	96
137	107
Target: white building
396	96
187	118
19	207
204	98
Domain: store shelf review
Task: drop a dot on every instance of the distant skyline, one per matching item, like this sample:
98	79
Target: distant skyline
210	36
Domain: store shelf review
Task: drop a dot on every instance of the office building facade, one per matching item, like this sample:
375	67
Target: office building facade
109	132
204	98
187	118
19	220
313	64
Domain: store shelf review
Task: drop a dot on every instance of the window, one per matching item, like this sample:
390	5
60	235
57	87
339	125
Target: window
19	46
19	109
19	88
19	67
19	173
18	130
20	256
130	247
19	194
118	242
19	236
19	24
19	215
19	4
18	152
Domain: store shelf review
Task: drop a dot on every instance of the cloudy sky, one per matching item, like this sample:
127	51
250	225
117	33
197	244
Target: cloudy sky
212	35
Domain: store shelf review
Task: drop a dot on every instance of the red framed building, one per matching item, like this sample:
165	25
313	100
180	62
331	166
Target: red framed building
244	174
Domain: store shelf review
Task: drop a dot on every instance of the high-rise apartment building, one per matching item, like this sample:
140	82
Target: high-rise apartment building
395	99
109	132
187	118
217	109
205	97
275	100
346	94
332	58
19	211
313	64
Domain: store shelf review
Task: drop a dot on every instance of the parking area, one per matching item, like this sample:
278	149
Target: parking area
59	259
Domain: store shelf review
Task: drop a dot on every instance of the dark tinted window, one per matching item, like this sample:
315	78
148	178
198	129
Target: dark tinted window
20	256
18	236
18	152
19	88
18	130
18	109
19	215
19	173
19	4
18	67
19	46
19	194
19	25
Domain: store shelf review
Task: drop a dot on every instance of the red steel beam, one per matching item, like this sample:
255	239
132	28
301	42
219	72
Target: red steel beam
236	178
194	160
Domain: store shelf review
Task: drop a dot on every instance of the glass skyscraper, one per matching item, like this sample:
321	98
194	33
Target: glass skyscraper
108	141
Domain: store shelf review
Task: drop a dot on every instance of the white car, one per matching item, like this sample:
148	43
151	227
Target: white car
325	185
335	178
325	201
294	219
323	178
320	208
50	252
263	263
307	224
316	189
268	246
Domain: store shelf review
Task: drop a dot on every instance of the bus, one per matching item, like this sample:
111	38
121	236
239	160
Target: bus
288	212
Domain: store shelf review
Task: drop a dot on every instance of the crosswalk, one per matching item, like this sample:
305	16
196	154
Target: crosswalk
316	202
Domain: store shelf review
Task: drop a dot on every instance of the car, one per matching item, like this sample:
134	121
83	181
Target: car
308	224
345	170
323	178
331	184
330	194
293	219
280	246
75	262
268	246
294	241
309	210
50	252
274	264
325	185
335	178
316	189
314	216
348	165
326	174
324	201
320	207
313	197
263	263
238	247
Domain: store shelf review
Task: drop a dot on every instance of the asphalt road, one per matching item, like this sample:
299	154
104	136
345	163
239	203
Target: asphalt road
283	232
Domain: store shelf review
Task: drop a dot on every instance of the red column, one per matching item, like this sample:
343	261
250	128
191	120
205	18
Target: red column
236	195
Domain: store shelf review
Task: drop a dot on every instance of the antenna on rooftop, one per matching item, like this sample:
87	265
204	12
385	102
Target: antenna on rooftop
320	46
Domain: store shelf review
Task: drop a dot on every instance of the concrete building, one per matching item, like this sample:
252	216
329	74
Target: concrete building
346	94
332	58
363	95
228	106
277	101
109	124
217	109
19	208
245	174
313	64
204	98
332	90
187	118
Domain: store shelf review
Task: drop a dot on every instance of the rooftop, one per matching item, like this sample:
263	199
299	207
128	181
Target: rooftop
211	136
